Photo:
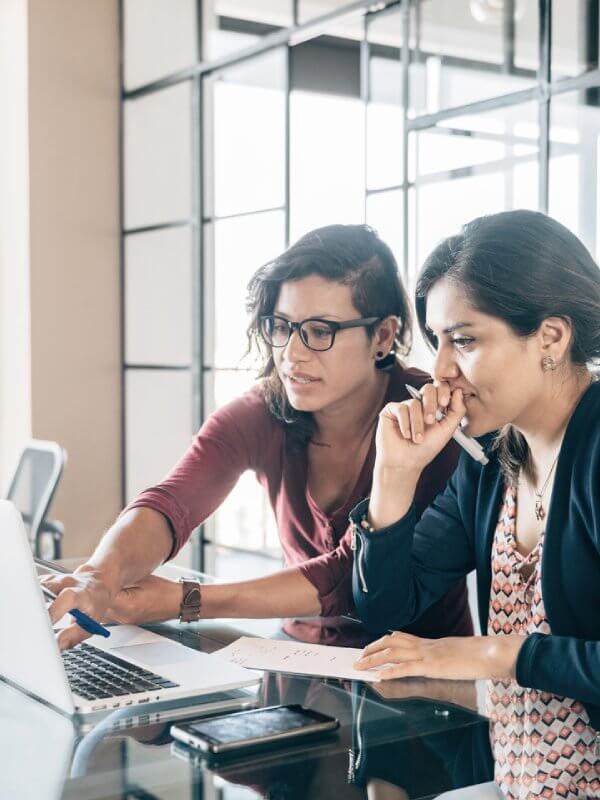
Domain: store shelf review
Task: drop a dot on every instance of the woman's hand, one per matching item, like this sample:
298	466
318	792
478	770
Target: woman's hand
152	599
457	658
408	435
408	438
85	589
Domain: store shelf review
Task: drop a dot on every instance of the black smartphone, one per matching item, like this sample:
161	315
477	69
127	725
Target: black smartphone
252	730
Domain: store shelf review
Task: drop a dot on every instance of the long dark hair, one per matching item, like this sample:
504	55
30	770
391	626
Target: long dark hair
352	255
521	267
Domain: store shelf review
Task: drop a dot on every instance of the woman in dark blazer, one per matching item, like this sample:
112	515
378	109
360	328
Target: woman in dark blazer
511	306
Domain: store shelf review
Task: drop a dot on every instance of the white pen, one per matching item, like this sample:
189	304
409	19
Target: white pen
472	446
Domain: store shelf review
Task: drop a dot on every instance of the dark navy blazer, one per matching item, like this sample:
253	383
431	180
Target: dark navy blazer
407	566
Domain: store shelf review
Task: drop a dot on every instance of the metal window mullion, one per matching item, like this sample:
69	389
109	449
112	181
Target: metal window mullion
135	366
405	65
197	266
365	95
271	41
288	139
238	214
508	37
544	80
158	226
122	415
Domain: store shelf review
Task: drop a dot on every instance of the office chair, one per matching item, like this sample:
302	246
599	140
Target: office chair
32	488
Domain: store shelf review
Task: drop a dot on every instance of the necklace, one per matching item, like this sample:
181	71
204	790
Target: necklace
540	511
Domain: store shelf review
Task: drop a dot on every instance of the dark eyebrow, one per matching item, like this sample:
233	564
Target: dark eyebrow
322	317
456	326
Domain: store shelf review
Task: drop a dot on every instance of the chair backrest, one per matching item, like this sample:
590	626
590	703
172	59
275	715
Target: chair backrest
34	483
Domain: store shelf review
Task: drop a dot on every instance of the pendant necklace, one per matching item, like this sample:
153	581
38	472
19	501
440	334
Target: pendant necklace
540	511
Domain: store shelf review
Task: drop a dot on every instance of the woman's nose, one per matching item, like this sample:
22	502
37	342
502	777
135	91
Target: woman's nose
445	366
295	349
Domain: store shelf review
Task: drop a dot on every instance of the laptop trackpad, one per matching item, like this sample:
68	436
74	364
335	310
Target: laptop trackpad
160	654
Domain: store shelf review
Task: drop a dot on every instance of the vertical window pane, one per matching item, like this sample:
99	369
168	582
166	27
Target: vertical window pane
249	135
573	170
159	38
158	297
527	24
478	139
233	565
158	417
574	38
157	160
507	180
327	161
444	207
453	33
245	519
384	213
241	246
384	123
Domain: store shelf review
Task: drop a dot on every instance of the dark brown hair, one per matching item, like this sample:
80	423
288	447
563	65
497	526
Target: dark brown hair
521	267
352	255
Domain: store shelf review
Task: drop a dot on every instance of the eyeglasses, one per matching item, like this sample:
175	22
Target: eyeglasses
317	334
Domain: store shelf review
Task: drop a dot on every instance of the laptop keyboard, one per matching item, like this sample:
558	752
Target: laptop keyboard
94	674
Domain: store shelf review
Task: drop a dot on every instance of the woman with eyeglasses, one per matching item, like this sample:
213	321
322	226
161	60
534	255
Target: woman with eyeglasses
331	318
511	306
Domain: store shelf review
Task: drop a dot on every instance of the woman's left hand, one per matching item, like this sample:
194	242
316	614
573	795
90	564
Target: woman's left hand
457	658
152	599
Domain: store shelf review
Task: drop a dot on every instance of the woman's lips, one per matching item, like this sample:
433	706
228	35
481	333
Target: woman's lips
300	380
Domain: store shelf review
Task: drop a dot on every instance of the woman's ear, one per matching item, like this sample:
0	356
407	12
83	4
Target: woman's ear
385	334
556	334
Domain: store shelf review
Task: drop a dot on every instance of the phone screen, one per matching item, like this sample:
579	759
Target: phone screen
253	725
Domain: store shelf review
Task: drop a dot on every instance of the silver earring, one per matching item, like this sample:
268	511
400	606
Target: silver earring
548	363
379	355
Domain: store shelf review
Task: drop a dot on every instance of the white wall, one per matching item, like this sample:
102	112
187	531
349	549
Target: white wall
15	383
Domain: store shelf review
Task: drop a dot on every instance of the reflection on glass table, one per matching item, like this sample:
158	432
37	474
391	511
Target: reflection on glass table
407	742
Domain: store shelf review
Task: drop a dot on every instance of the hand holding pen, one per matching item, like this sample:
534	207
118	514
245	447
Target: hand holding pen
412	433
470	445
73	592
87	623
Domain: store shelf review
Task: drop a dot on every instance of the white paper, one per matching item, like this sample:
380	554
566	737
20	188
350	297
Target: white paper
298	658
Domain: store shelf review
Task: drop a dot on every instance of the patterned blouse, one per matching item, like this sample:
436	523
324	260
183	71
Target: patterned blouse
543	744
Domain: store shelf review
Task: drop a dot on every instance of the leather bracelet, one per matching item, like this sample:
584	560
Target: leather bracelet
191	600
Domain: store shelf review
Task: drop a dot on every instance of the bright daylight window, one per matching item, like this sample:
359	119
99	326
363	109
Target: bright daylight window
412	117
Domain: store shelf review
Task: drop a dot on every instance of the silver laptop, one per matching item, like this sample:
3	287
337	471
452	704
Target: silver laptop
132	667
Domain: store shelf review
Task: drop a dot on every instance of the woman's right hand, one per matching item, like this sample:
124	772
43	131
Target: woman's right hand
84	589
408	435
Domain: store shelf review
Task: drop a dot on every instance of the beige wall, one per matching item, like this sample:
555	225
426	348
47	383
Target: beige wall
73	242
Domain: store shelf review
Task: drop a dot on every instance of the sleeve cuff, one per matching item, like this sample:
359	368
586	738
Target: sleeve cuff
525	659
359	511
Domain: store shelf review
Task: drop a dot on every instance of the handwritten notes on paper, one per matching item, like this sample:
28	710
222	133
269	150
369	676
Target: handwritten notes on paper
274	655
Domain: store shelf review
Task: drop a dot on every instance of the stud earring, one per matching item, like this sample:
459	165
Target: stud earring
380	354
548	363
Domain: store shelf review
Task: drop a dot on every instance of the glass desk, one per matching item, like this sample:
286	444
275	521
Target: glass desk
417	739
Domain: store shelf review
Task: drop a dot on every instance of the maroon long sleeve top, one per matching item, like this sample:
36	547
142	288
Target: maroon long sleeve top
243	435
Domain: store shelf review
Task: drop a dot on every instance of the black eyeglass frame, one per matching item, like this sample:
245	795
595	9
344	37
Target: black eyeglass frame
363	322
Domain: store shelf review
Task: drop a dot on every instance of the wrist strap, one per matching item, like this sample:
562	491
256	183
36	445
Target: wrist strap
191	600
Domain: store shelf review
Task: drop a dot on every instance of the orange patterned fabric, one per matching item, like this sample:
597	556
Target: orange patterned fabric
543	744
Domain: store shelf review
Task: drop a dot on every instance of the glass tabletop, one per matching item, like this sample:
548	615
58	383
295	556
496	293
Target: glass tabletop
408	742
402	739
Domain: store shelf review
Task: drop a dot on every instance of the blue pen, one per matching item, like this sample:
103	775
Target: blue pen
87	623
